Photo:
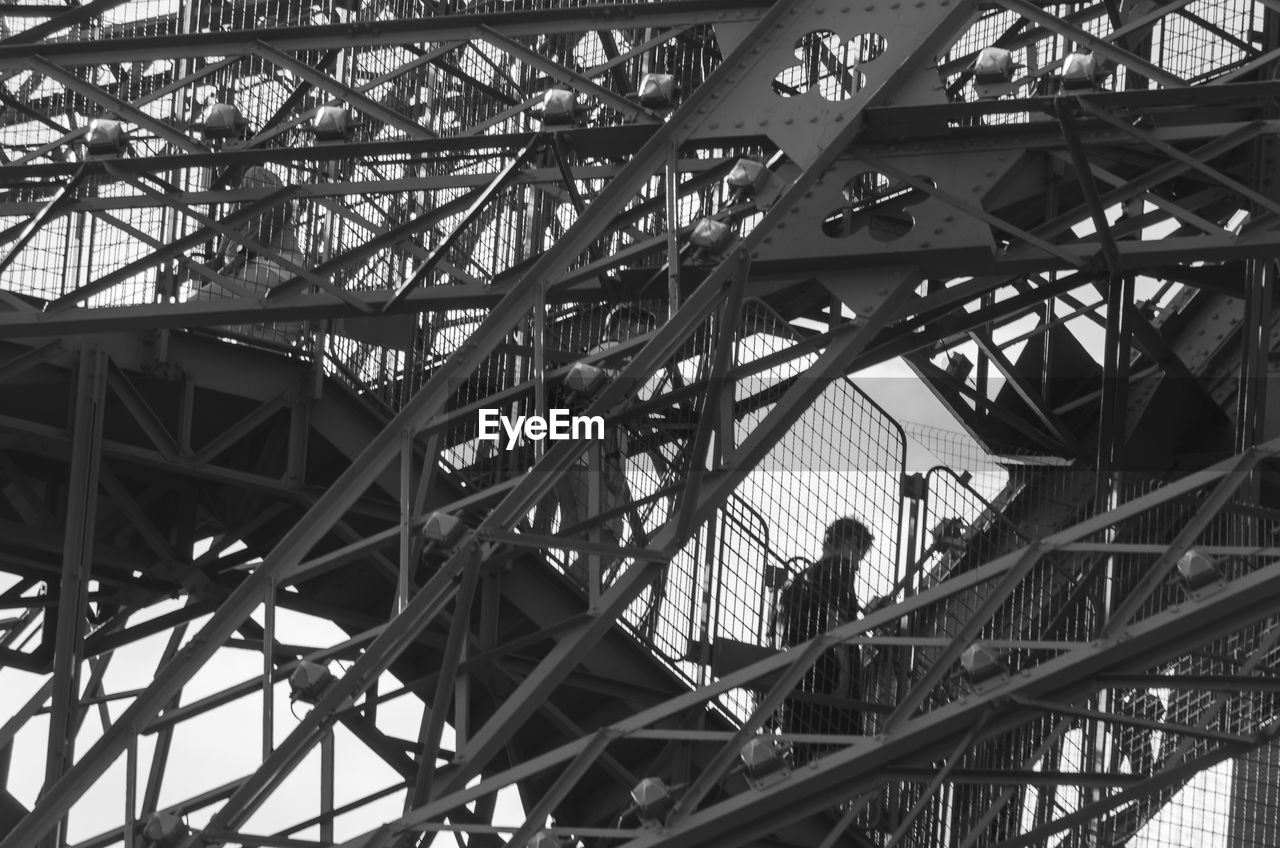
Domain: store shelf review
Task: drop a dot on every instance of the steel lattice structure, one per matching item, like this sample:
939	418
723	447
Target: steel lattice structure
263	264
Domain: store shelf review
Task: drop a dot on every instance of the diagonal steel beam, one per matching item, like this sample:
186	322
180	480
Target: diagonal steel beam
428	402
73	593
542	63
1080	160
161	255
365	104
1098	45
1190	160
59	200
501	181
114	104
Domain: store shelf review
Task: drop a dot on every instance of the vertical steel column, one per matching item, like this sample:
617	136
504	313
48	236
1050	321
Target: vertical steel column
268	669
77	555
131	794
672	184
326	788
407	503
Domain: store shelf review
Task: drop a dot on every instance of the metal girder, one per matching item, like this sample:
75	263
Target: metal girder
82	500
387	33
845	772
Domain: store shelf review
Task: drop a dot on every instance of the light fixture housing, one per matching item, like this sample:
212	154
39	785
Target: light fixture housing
764	757
748	177
221	121
585	379
308	682
1199	573
982	666
559	107
1080	72
332	123
443	529
164	830
658	91
653	799
994	66
105	137
711	235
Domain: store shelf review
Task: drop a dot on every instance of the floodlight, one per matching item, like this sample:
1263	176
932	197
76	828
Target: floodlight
443	528
763	756
331	123
658	91
711	235
993	66
105	137
559	108
545	839
981	665
585	379
1080	72
653	799
164	830
222	120
748	177
308	682
1197	570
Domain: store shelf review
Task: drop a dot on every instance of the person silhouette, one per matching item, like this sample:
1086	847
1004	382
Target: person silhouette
819	598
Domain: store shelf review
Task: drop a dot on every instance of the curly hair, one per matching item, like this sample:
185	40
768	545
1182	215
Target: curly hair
848	531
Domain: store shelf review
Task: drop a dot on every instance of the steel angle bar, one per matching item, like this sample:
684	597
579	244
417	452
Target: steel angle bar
1080	160
1130	720
948	768
114	104
46	213
714	771
77	557
434	718
429	602
564	783
1179	211
970	209
941	664
719	485
358	100
1191	160
238	236
1102	47
770	665
426	29
197	268
843	773
1229	683
1158	571
1030	396
29	359
501	181
150	96
142	414
542	63
381	450
384	239
232	310
1006	795
1158	175
72	16
170	251
1155	783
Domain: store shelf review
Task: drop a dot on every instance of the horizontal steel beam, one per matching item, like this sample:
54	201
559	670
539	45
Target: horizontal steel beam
435	28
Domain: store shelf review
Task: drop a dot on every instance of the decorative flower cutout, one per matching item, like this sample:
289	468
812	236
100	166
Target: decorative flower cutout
877	204
829	63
